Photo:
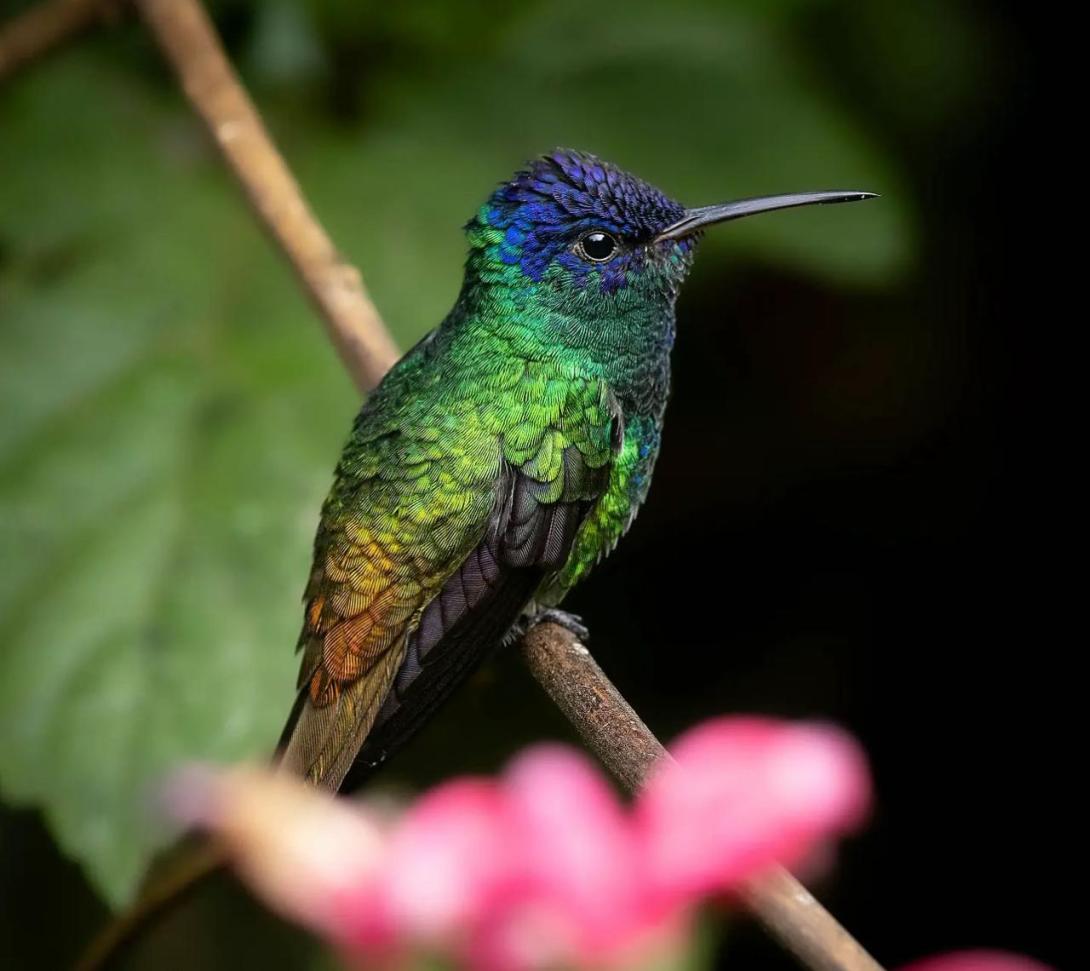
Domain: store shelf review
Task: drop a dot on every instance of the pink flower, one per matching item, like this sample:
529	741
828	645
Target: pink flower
449	860
583	899
977	961
744	793
310	857
543	867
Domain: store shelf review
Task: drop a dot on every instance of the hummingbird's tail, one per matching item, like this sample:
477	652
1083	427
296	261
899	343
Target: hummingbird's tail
187	868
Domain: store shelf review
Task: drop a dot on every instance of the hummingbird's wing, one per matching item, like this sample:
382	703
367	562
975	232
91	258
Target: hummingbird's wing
540	506
441	525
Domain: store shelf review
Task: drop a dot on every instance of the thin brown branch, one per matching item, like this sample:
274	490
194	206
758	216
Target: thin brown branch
189	42
795	918
605	721
40	29
165	888
564	668
627	747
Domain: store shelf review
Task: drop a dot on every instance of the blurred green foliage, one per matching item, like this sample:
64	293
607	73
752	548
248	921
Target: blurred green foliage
171	410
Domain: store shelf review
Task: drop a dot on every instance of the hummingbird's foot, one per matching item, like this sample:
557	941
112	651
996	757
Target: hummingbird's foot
570	622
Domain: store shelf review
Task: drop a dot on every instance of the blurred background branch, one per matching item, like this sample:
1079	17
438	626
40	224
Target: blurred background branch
45	26
188	41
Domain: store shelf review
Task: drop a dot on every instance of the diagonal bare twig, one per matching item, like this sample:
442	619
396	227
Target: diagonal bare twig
564	668
189	42
42	28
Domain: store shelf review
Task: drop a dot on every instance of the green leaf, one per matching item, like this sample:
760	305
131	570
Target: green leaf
708	103
693	951
171	409
162	462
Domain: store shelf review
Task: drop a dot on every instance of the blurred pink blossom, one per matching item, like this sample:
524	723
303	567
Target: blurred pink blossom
977	961
449	861
583	899
309	856
744	793
545	866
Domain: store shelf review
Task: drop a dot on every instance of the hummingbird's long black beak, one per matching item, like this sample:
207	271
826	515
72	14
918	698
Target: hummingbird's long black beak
696	219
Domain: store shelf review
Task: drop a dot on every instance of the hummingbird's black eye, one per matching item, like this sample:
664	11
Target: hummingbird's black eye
597	246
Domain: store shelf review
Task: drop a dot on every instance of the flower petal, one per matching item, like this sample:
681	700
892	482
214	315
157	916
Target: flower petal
452	859
977	961
744	793
310	857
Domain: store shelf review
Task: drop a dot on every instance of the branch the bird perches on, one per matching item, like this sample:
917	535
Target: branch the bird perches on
564	668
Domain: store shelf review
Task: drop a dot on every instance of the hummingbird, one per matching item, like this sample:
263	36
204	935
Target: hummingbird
501	458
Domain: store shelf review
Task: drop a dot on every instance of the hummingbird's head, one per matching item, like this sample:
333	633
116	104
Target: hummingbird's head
572	227
594	250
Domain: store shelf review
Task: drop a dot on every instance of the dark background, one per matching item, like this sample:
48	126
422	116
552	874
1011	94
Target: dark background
853	518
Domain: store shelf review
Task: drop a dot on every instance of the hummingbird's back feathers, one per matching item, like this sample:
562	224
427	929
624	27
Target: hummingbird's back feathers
529	537
448	511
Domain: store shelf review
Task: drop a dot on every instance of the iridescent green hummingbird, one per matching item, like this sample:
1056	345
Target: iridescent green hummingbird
501	458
